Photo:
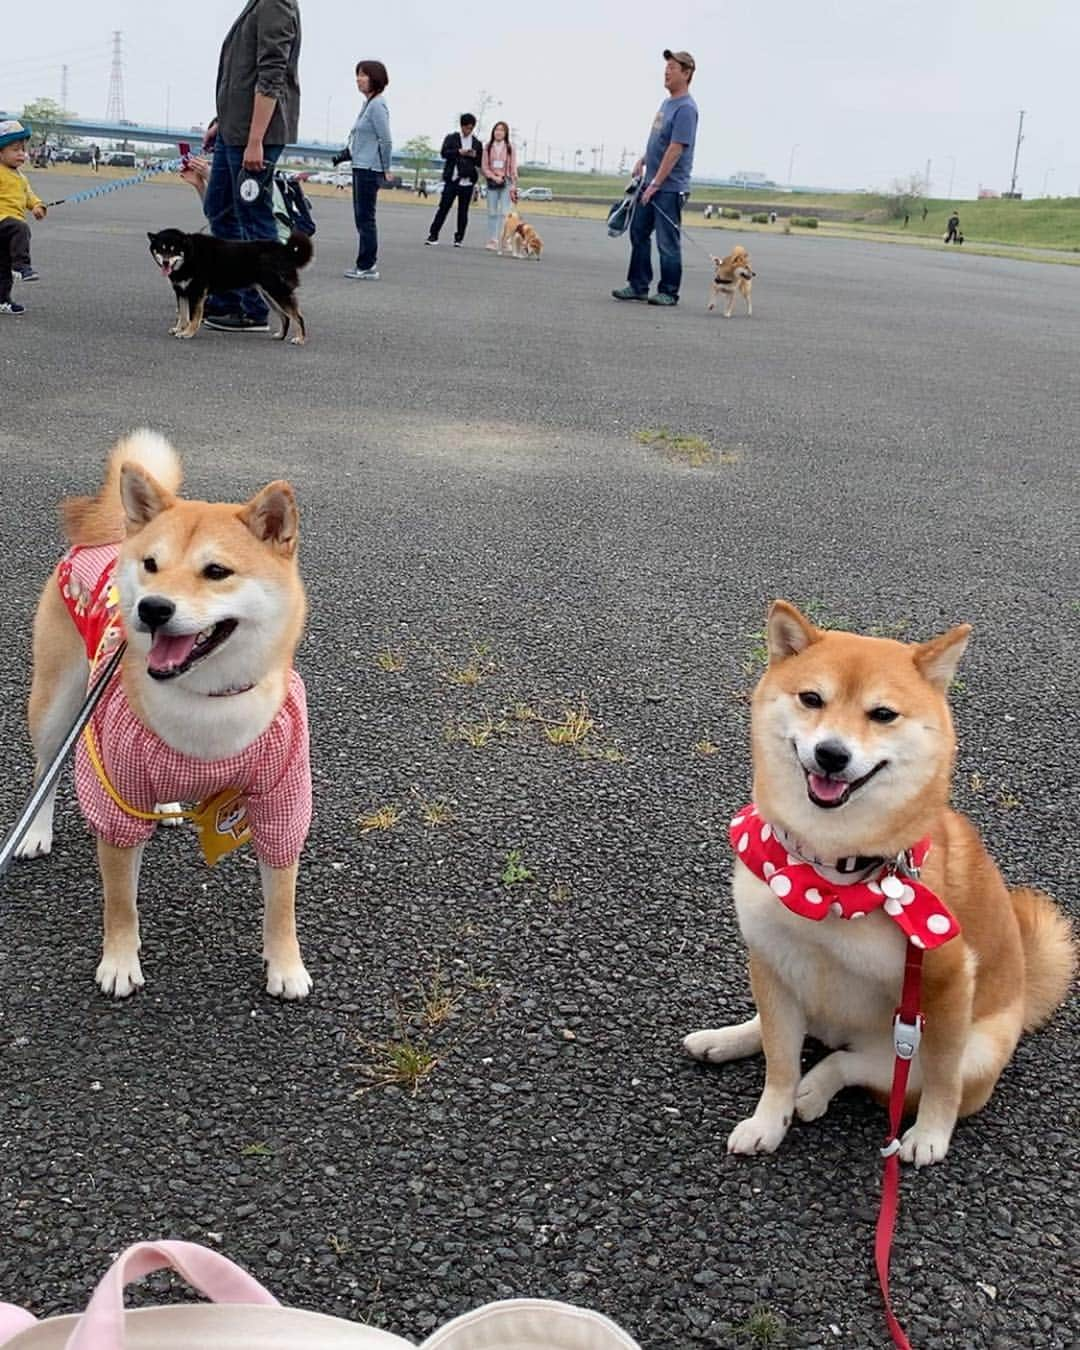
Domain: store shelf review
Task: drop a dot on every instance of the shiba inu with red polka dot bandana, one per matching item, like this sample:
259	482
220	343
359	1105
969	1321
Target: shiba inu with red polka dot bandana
848	858
206	707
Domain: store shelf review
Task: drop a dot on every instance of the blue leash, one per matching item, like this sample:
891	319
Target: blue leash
170	166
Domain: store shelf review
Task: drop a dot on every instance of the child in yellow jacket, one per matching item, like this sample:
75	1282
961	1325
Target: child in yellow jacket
16	198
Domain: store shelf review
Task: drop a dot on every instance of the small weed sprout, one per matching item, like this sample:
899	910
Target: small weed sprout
515	870
390	661
382	818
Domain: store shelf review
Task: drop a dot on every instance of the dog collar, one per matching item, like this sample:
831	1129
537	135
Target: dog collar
815	891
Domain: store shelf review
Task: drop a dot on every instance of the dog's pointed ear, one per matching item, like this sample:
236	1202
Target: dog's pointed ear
273	517
788	632
936	660
142	496
150	235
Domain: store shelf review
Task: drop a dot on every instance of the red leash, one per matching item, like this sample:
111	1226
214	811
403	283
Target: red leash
907	1032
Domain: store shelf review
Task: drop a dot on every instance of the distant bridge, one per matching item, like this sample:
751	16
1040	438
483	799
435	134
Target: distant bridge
92	128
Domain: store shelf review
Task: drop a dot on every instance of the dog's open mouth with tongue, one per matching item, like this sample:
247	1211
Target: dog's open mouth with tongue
173	654
828	792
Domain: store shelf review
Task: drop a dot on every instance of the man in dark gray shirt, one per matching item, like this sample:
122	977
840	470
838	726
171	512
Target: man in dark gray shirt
258	109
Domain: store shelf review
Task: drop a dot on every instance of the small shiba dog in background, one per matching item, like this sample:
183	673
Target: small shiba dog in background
733	273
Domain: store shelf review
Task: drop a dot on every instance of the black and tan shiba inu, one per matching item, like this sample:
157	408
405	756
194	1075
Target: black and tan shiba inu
198	265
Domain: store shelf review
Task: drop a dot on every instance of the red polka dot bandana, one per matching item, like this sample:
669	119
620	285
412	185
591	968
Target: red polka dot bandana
913	907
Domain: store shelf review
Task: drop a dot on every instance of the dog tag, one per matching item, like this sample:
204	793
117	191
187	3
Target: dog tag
222	824
892	886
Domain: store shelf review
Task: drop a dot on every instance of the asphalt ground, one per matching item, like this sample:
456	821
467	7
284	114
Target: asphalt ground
896	448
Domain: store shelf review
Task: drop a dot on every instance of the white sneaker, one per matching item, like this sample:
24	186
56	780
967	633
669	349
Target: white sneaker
362	274
432	243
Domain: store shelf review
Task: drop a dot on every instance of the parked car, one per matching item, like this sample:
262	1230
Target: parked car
121	160
81	157
536	194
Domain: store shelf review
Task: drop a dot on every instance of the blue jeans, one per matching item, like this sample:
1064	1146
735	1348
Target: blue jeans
668	243
498	203
365	191
230	217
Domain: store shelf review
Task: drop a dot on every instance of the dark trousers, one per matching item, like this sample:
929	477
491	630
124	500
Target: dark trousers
648	218
230	217
14	252
463	192
365	192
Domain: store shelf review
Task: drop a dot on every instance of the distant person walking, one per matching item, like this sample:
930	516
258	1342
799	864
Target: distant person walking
499	167
258	110
369	148
952	229
667	165
95	158
461	168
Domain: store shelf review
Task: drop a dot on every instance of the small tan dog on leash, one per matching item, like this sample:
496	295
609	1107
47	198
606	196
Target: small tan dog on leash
733	273
520	239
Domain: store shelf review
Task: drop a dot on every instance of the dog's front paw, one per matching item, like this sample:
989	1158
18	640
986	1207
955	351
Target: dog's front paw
811	1102
287	981
36	842
763	1132
183	333
119	974
297	341
924	1144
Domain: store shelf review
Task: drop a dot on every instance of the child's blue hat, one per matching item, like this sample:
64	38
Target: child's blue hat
12	131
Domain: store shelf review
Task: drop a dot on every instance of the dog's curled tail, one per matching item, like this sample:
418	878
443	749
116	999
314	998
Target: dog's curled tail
1049	954
300	248
100	519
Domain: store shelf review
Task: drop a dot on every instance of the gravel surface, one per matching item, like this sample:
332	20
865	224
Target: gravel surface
896	447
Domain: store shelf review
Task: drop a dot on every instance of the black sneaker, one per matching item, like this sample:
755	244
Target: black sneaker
12	307
458	243
27	274
432	243
236	323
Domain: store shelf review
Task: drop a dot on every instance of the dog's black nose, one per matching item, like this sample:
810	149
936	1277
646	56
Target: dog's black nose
155	611
832	756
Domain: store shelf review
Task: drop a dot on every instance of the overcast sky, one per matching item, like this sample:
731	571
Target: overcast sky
850	93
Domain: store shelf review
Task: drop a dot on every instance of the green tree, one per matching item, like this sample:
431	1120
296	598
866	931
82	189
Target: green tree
419	152
43	115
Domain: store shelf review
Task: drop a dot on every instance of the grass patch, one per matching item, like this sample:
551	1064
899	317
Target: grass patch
762	1330
693	451
390	661
477	734
476	668
435	812
515	869
438	1000
573	727
404	1061
705	747
382	818
257	1149
560	893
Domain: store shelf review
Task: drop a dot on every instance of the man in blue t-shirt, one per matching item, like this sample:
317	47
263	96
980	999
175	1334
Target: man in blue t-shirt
666	163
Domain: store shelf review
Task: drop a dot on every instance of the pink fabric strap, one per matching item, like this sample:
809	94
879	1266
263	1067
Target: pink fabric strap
101	1327
12	1321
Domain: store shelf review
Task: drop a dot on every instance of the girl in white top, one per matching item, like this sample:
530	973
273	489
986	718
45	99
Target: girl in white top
499	167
